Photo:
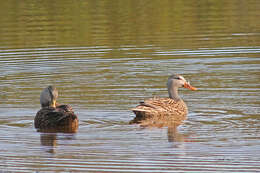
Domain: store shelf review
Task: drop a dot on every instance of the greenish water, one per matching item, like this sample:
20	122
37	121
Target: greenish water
106	56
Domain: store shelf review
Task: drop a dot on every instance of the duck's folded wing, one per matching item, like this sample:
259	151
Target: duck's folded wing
60	118
156	104
46	118
66	108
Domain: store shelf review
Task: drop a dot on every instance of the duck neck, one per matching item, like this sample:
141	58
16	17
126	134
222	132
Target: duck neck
173	93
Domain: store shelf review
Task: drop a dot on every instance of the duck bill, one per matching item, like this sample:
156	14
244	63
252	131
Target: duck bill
187	85
53	104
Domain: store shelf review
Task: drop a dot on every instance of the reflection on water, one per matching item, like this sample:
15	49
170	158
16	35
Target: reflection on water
176	24
107	56
174	135
50	140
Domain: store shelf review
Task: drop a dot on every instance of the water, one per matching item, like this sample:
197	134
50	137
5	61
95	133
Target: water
106	56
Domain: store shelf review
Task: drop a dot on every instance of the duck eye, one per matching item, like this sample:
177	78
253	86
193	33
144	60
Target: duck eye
178	78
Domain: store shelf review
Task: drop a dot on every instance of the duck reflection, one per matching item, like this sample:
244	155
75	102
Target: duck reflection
172	130
174	135
49	139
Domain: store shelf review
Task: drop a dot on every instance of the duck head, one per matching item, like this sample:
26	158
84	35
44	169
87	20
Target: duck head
48	97
175	82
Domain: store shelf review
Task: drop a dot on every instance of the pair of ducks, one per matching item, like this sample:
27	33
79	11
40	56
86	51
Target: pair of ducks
153	111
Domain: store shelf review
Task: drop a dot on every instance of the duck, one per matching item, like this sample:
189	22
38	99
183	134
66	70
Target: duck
158	111
53	117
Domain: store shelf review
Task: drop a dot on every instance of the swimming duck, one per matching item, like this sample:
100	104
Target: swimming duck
164	111
53	117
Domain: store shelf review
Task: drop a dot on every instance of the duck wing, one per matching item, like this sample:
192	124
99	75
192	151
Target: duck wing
164	109
158	105
52	118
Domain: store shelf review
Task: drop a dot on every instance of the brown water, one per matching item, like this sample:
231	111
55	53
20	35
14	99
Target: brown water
106	56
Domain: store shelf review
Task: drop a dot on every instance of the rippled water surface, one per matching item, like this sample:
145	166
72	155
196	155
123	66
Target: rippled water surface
106	56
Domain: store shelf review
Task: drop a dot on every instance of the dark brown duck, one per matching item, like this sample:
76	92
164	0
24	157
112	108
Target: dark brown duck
53	117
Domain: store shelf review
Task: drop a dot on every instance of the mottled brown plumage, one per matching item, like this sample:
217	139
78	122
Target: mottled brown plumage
164	111
160	112
53	117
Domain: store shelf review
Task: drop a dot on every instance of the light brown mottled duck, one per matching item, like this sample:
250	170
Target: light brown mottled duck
164	111
53	117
